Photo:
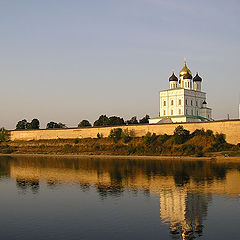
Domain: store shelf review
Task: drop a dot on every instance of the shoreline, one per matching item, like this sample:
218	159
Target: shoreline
122	157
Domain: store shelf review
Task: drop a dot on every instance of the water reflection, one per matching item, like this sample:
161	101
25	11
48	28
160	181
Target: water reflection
185	187
184	211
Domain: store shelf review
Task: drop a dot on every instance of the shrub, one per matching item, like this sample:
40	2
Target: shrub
150	138
4	135
76	141
220	138
99	135
127	135
115	134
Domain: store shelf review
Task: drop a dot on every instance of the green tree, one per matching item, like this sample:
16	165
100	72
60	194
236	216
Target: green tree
133	120
115	134
35	124
4	135
84	123
103	120
116	121
145	119
181	135
22	124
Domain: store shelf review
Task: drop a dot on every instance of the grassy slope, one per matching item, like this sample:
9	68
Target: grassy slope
160	145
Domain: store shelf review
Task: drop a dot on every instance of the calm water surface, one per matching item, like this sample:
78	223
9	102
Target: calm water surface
69	198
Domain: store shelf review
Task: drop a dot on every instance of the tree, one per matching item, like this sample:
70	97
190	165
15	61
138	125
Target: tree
4	135
84	123
103	120
115	134
181	135
116	121
35	124
22	124
62	125
145	119
133	120
52	125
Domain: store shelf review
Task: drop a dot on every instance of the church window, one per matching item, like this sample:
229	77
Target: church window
179	102
188	84
164	103
171	112
196	103
186	101
192	112
164	112
191	102
171	102
179	111
186	111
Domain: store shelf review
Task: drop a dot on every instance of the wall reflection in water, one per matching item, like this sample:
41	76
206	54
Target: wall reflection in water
185	187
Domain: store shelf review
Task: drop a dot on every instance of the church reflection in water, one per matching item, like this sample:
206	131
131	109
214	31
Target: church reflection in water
184	212
185	187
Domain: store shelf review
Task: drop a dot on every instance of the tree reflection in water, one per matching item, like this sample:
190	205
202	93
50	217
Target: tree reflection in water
185	187
24	185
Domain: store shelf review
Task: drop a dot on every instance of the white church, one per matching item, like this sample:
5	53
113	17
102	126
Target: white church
184	101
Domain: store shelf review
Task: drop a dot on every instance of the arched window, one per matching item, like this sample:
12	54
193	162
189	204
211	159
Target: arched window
164	103
186	101
179	111
164	112
191	102
171	112
171	102
179	102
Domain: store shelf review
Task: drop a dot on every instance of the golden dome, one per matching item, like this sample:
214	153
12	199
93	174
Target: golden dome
185	70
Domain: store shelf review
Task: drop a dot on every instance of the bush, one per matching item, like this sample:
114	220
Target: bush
115	134
150	138
99	135
76	141
4	135
127	135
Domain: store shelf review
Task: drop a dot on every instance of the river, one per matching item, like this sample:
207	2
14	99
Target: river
96	198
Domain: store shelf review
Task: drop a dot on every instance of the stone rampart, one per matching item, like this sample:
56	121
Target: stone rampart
231	128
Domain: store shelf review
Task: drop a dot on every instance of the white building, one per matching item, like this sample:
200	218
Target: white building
184	101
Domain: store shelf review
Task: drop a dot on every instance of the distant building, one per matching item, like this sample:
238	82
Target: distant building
183	101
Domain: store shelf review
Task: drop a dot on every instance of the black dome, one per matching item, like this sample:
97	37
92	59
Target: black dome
187	76
173	78
197	78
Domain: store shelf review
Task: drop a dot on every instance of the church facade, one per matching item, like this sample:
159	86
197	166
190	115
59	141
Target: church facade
184	101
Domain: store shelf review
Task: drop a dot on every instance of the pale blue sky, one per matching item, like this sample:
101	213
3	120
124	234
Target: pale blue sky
68	60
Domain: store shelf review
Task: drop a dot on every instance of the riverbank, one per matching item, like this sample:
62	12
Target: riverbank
136	157
200	143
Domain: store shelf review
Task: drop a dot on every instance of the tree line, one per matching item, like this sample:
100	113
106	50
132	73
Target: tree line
103	120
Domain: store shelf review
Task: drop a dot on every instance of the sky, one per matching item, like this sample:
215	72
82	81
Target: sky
68	60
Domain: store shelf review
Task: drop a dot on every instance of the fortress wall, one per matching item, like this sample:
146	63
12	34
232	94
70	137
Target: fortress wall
231	128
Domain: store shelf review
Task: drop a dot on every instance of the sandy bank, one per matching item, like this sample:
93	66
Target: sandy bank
184	158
